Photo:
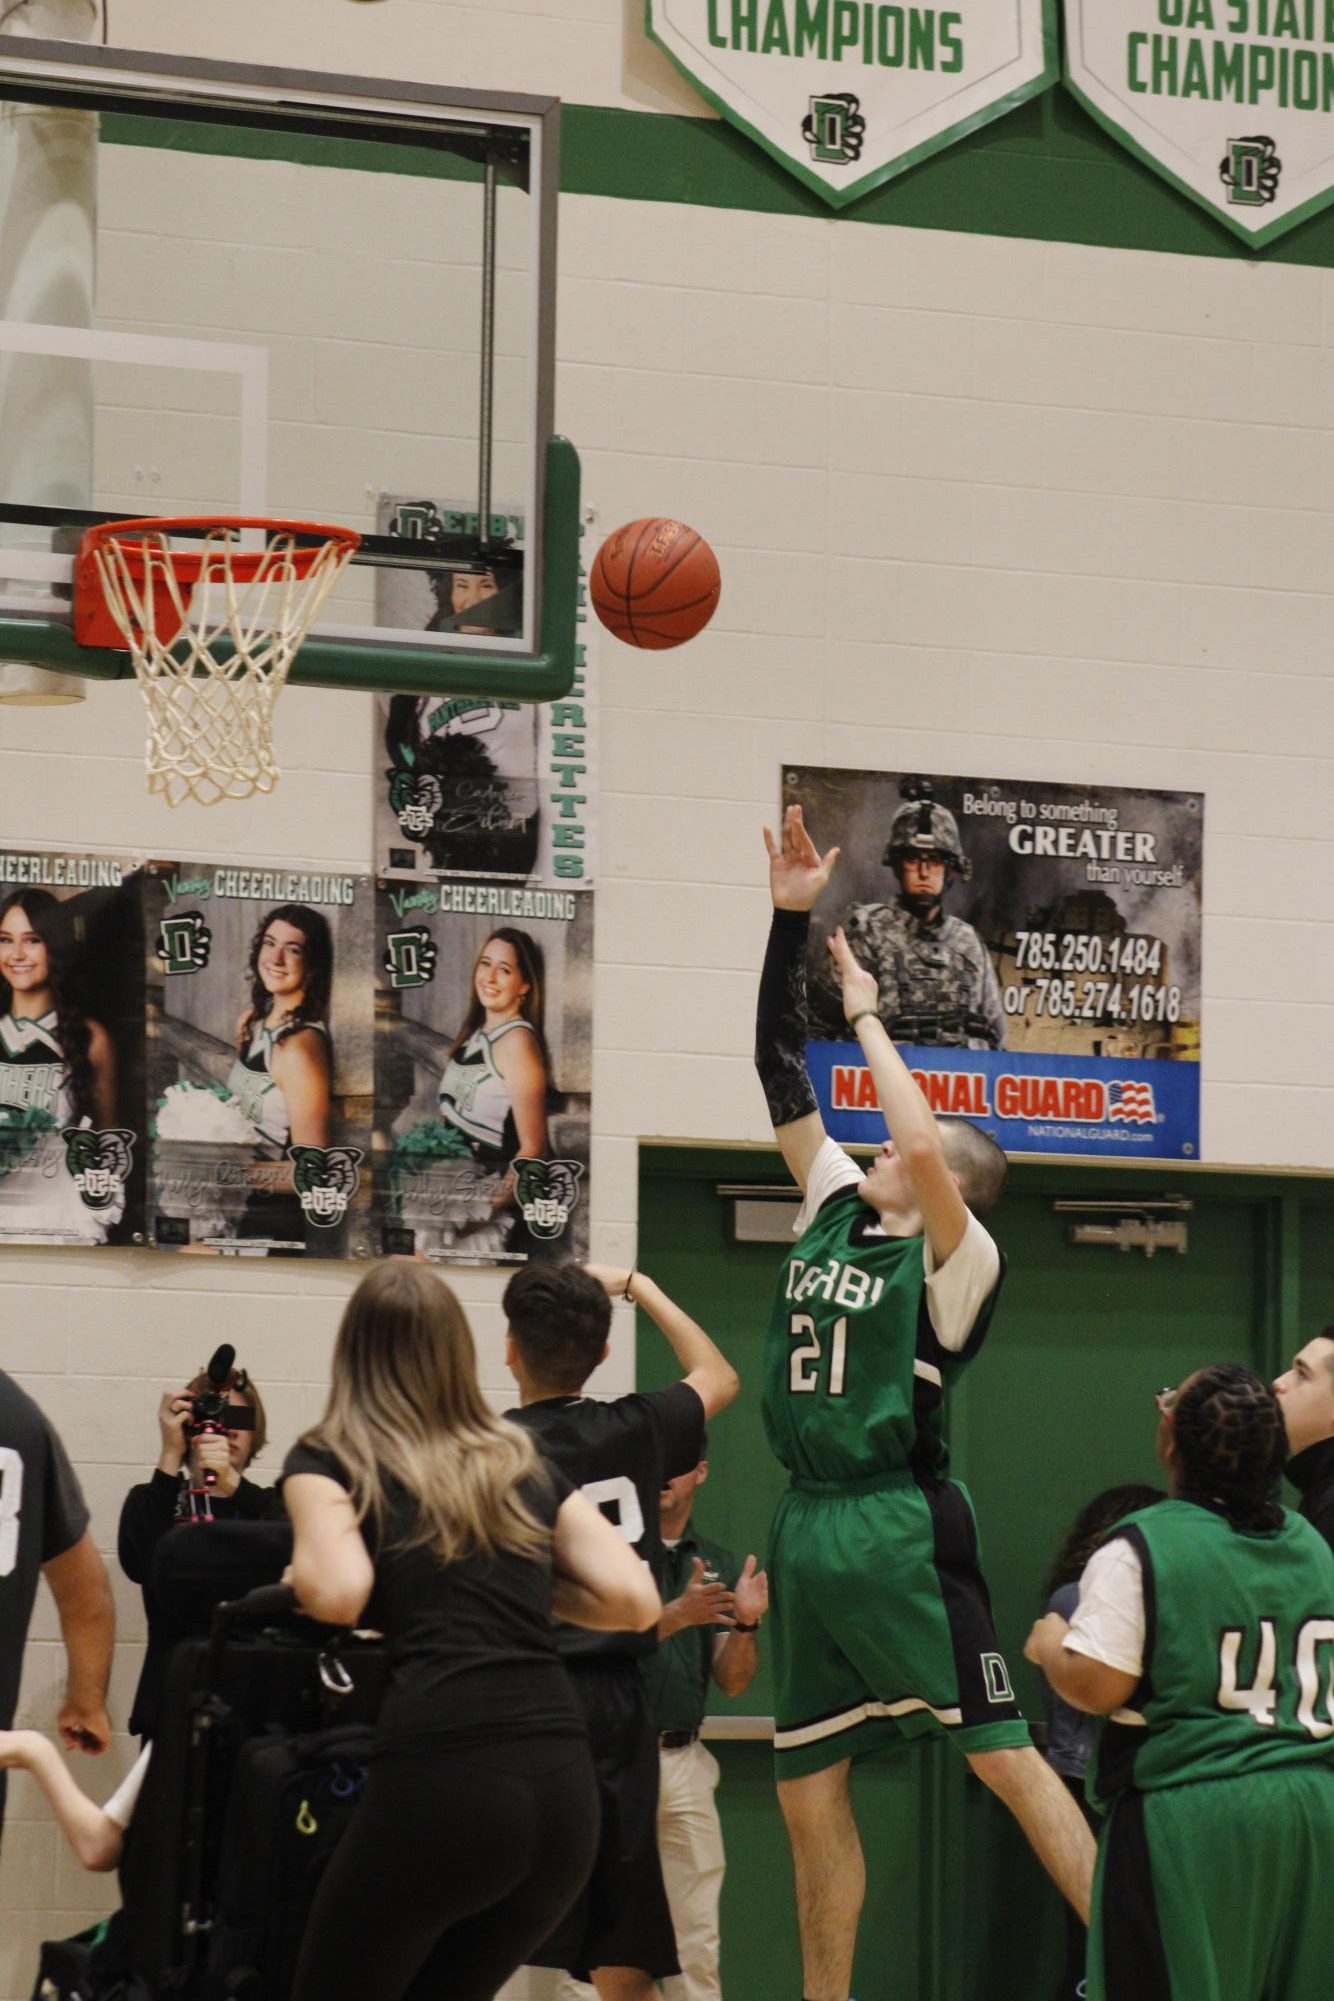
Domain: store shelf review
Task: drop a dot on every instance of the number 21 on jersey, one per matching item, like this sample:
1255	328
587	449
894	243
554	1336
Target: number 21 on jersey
803	1377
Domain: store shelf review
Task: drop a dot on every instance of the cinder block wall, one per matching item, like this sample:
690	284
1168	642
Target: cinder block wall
1006	507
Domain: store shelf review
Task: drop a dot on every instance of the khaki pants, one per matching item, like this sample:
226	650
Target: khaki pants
690	1842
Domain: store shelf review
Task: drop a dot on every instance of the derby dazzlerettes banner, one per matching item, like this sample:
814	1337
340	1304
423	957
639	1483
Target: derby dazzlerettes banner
1044	981
1230	100
847	93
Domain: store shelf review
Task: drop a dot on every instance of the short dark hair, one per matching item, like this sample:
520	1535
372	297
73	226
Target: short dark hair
978	1161
560	1318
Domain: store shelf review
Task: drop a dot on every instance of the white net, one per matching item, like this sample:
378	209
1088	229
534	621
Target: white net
212	656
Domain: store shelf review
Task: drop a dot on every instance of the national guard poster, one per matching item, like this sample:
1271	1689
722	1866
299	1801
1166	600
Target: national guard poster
483	1071
71	1049
473	785
260	1011
1232	101
847	93
1037	948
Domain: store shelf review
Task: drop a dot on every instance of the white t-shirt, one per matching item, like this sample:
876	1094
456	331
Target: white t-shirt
957	1290
120	1807
1109	1624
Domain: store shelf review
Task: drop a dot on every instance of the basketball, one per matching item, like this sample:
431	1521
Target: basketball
655	583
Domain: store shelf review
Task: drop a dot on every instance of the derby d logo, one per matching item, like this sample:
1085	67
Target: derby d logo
410	956
325	1179
415	798
184	943
99	1163
833	128
547	1192
1250	171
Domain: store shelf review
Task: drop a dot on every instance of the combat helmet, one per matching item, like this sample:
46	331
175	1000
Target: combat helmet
921	826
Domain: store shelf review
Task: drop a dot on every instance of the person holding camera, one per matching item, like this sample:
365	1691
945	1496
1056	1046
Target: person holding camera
211	1431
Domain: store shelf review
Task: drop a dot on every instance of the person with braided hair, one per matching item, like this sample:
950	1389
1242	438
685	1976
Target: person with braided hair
1205	1634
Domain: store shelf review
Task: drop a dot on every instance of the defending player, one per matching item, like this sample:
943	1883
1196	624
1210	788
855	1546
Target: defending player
880	1615
1205	1631
620	1453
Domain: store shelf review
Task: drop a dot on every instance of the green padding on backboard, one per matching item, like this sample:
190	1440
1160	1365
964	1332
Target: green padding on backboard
398	669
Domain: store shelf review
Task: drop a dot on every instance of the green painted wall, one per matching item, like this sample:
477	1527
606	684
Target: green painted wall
1059	1405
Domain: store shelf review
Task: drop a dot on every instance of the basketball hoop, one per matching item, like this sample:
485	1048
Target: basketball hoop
212	630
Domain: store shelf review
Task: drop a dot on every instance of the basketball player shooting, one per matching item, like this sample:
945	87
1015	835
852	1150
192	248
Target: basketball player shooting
881	1618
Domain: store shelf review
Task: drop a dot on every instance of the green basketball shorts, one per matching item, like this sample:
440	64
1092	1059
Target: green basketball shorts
1217	1891
881	1624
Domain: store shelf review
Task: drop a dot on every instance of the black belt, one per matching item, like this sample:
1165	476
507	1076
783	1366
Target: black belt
676	1740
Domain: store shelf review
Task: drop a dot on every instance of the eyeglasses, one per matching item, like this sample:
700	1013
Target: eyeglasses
1166	1398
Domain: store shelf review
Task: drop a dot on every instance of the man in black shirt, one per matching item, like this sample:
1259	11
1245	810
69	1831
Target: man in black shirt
44	1527
153	1508
1306	1397
620	1453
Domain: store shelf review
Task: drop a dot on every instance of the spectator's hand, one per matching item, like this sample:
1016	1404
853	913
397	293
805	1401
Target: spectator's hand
861	990
706	1601
211	1453
172	1412
612	1278
752	1594
798	872
84	1726
1046	1638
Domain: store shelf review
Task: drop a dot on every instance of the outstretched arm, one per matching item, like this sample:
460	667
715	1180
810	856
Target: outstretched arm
95	1838
703	1363
798	873
911	1124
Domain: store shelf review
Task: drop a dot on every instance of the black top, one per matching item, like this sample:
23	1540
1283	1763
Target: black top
1312	1474
620	1455
42	1514
149	1511
472	1651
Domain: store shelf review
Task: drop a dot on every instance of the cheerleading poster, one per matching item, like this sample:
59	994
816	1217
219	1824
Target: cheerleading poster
259	1070
471	785
483	1071
71	1049
1037	949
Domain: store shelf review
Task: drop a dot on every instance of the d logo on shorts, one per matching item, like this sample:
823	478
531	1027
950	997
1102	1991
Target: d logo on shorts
997	1678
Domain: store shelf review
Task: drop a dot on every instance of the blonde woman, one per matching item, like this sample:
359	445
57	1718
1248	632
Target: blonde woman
417	1509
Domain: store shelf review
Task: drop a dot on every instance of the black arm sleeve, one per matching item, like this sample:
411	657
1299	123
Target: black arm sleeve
780	1021
149	1511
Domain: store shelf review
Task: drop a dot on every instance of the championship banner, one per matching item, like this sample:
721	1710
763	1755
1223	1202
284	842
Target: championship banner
847	93
260	1020
71	1049
483	1071
1230	100
1037	949
467	785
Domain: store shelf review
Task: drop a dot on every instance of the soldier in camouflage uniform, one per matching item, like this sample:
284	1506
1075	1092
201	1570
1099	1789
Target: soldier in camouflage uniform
937	984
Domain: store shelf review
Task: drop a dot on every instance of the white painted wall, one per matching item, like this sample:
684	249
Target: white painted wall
1001	507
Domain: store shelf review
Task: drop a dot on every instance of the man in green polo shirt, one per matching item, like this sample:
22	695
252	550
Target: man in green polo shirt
712	1608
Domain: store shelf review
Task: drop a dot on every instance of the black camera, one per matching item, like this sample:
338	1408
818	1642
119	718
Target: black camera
210	1409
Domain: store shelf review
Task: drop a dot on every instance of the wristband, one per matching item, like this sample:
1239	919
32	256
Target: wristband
862	1014
630	1278
739	1626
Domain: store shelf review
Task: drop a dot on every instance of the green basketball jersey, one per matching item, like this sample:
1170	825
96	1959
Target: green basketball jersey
1238	1652
854	1376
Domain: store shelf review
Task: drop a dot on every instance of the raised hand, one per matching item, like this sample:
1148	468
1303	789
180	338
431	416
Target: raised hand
861	990
706	1601
752	1594
798	872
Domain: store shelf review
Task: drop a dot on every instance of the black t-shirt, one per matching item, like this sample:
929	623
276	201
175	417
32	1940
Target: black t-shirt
620	1455
42	1514
472	1650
